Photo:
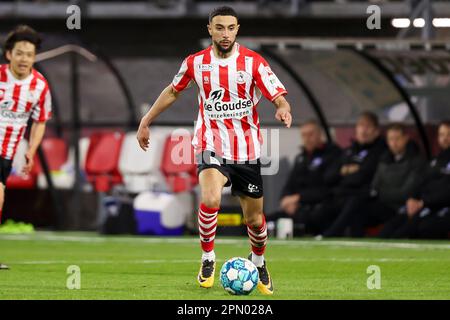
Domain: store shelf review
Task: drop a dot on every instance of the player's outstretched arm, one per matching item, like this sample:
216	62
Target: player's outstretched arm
283	112
164	101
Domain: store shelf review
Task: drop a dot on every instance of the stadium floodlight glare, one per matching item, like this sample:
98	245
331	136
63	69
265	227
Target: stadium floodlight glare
441	22
419	22
401	22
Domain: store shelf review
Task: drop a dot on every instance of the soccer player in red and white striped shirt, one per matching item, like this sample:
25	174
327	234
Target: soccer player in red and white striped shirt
231	80
24	93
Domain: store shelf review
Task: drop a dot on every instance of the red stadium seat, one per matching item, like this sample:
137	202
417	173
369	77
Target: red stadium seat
56	153
374	231
102	160
177	165
17	180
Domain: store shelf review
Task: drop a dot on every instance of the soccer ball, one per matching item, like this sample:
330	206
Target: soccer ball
239	276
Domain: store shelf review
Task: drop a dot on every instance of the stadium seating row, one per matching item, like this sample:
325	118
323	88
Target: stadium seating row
110	158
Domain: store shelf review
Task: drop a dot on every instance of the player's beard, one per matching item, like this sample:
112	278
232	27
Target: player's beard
223	50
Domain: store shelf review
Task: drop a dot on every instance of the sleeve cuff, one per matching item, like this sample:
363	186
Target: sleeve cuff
41	121
281	93
174	88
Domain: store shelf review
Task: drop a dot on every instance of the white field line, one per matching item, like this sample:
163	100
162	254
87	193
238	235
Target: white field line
182	261
243	241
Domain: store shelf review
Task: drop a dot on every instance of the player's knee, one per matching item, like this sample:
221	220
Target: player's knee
211	199
254	221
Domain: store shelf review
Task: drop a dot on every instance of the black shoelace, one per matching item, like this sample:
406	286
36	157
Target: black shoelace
207	268
263	274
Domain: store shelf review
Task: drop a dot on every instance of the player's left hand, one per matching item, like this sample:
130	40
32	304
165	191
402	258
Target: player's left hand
29	158
284	116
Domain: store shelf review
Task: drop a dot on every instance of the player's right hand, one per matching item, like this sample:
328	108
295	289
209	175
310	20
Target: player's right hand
143	137
29	162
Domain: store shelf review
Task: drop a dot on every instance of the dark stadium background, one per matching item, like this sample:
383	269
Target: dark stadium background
146	48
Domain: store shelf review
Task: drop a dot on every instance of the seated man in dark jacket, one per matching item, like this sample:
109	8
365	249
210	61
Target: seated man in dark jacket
398	173
426	212
306	187
353	175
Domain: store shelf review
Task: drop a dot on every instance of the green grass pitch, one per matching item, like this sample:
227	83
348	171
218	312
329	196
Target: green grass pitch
166	268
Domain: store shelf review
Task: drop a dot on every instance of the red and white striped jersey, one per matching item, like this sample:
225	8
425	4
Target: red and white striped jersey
20	99
229	92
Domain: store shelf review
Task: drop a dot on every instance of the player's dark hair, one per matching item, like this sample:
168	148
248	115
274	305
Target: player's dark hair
371	117
21	33
397	126
223	11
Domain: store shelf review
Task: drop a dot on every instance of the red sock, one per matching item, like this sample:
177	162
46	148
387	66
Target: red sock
1	211
258	238
207	225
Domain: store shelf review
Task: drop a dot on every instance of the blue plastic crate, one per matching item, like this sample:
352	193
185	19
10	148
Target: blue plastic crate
149	223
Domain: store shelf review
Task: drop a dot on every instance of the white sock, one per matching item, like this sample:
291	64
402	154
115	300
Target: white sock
257	260
211	256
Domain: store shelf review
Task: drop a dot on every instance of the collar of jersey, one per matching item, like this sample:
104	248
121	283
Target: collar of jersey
18	81
225	60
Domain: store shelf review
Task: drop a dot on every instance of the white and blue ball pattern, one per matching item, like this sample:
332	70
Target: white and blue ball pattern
239	276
